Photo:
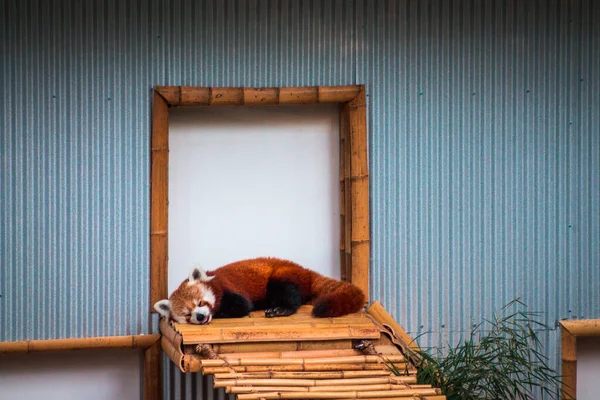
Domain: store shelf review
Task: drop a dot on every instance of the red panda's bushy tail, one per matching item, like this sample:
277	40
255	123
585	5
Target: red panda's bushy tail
335	298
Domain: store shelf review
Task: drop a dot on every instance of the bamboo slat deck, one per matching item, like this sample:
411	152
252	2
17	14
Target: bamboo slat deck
300	357
298	327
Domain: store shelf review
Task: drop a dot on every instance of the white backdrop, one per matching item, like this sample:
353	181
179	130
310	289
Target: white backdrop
588	368
85	374
253	181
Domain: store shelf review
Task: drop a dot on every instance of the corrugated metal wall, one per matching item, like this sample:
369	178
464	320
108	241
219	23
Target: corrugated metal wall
484	130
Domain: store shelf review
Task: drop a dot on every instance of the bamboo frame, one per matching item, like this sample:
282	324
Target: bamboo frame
354	190
103	342
570	331
354	177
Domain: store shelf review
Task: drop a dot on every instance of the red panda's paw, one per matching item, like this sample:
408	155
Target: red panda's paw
279	312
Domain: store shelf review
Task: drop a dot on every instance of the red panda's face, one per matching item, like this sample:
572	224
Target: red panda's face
192	302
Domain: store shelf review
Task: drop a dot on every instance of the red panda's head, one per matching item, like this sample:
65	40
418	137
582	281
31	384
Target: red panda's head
192	302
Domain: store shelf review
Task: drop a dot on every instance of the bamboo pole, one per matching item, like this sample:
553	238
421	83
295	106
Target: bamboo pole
261	96
293	354
357	388
159	189
347	158
375	380
314	375
584	327
340	395
172	94
279	333
343	134
225	348
300	367
152	386
569	363
204	96
359	174
367	359
358	318
191	363
396	398
194	96
380	315
250	389
273	323
169	333
337	94
174	354
299	95
226	96
105	342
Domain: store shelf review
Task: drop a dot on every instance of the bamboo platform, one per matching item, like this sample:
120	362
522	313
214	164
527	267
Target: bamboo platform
300	357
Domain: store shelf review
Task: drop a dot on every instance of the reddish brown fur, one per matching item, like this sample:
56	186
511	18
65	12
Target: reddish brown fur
331	297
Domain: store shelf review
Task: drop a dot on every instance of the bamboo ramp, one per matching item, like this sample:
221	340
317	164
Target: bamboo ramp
301	357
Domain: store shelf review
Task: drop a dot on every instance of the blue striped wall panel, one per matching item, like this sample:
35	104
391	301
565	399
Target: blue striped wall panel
484	140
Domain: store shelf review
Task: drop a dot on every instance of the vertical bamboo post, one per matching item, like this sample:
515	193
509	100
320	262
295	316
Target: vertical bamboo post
153	372
343	135
569	363
347	192
159	199
359	176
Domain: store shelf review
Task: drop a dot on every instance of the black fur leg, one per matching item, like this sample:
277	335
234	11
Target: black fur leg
234	305
283	299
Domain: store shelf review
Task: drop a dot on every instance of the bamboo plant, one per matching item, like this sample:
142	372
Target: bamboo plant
501	359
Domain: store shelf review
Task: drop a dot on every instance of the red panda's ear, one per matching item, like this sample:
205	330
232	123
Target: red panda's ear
199	275
163	307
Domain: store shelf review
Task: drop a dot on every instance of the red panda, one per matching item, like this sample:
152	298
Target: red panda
279	287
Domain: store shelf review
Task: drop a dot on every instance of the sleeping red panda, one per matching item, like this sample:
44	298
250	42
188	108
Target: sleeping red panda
277	286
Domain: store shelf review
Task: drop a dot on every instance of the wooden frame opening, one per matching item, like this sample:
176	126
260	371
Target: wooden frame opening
570	331
353	171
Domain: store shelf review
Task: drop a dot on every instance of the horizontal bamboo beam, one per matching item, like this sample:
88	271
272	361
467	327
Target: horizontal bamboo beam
306	367
105	342
375	380
353	388
291	332
293	354
239	347
237	96
301	361
269	323
314	375
340	395
583	327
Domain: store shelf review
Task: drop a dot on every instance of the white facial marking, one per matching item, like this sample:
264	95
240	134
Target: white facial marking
209	296
201	315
